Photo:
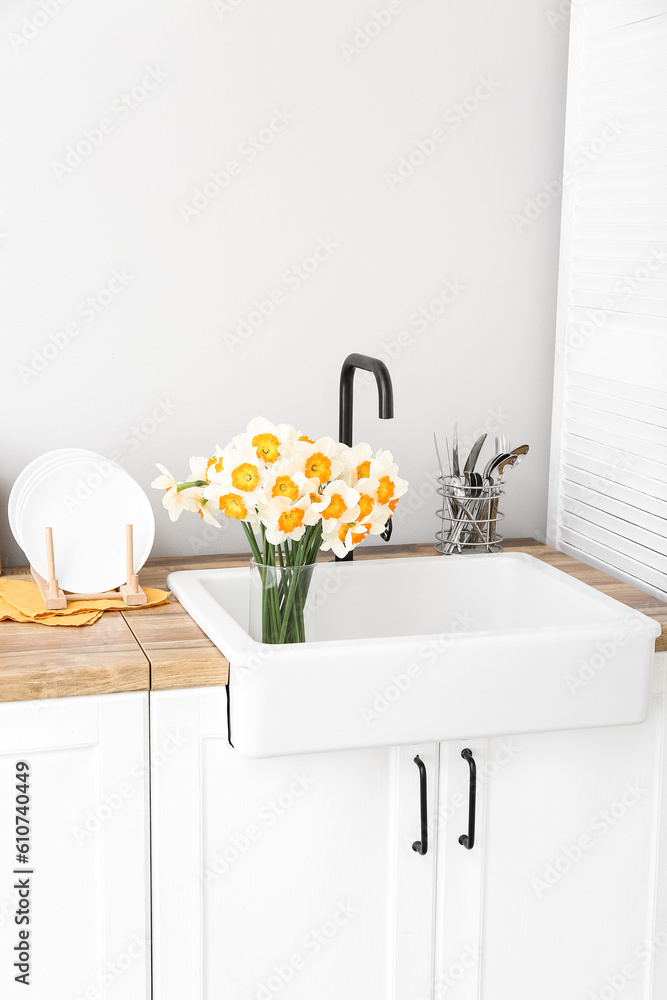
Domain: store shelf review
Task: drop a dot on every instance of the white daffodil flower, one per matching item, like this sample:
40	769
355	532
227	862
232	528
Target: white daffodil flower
284	520
174	500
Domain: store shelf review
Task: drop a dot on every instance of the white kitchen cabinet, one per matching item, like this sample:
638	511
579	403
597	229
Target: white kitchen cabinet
559	896
297	874
293	873
87	894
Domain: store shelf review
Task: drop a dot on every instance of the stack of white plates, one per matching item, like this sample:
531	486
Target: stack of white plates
87	500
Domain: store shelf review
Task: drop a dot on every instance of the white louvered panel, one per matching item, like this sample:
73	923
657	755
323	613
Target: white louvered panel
628	168
623	197
654	563
641	395
618	564
601	15
651	233
643	125
639	447
632	305
594	190
630	39
616	257
606	464
617	457
623	205
644	508
608	496
610	268
638	141
651	528
623	38
654	545
631	77
611	63
621	99
611	424
654	416
618	347
625	284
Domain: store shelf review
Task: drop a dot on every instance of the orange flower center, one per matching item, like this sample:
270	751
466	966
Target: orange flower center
290	519
304	437
364	470
267	446
356	538
245	477
285	487
342	531
336	508
366	504
385	490
233	506
318	466
393	504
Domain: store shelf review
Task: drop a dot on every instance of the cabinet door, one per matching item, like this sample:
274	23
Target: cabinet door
292	873
558	896
73	782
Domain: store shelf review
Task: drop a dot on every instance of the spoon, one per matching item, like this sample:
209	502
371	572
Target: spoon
493	464
520	452
512	459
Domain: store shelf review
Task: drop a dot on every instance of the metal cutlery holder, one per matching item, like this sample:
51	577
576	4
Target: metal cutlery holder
469	516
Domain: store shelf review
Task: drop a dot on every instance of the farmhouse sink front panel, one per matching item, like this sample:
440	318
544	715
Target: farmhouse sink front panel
421	650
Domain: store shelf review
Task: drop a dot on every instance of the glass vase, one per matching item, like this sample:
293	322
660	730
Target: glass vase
282	608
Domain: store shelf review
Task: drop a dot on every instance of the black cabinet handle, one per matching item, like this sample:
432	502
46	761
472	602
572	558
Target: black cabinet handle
468	839
421	846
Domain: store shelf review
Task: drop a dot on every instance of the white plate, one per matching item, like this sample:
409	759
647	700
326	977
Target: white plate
27	476
87	501
31	474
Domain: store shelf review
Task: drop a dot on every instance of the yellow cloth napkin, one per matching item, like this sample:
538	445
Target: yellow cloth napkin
21	601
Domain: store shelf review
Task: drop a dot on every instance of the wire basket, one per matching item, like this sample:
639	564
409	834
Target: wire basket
469	516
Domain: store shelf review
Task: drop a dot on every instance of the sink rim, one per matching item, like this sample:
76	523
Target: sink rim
239	647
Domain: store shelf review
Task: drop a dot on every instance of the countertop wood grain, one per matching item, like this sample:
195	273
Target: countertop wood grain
162	648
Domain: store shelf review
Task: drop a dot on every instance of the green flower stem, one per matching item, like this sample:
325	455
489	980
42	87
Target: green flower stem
269	617
195	482
250	535
298	561
285	582
254	547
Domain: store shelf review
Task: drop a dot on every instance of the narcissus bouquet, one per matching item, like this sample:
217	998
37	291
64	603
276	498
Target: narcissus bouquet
294	496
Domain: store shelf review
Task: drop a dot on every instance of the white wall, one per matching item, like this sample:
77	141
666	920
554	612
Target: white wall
218	72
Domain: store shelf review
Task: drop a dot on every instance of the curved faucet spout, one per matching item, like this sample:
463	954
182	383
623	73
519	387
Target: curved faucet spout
385	392
386	404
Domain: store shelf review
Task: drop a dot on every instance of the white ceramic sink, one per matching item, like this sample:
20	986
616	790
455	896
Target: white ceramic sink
427	649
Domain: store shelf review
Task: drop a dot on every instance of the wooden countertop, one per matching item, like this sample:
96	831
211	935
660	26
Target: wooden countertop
162	648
